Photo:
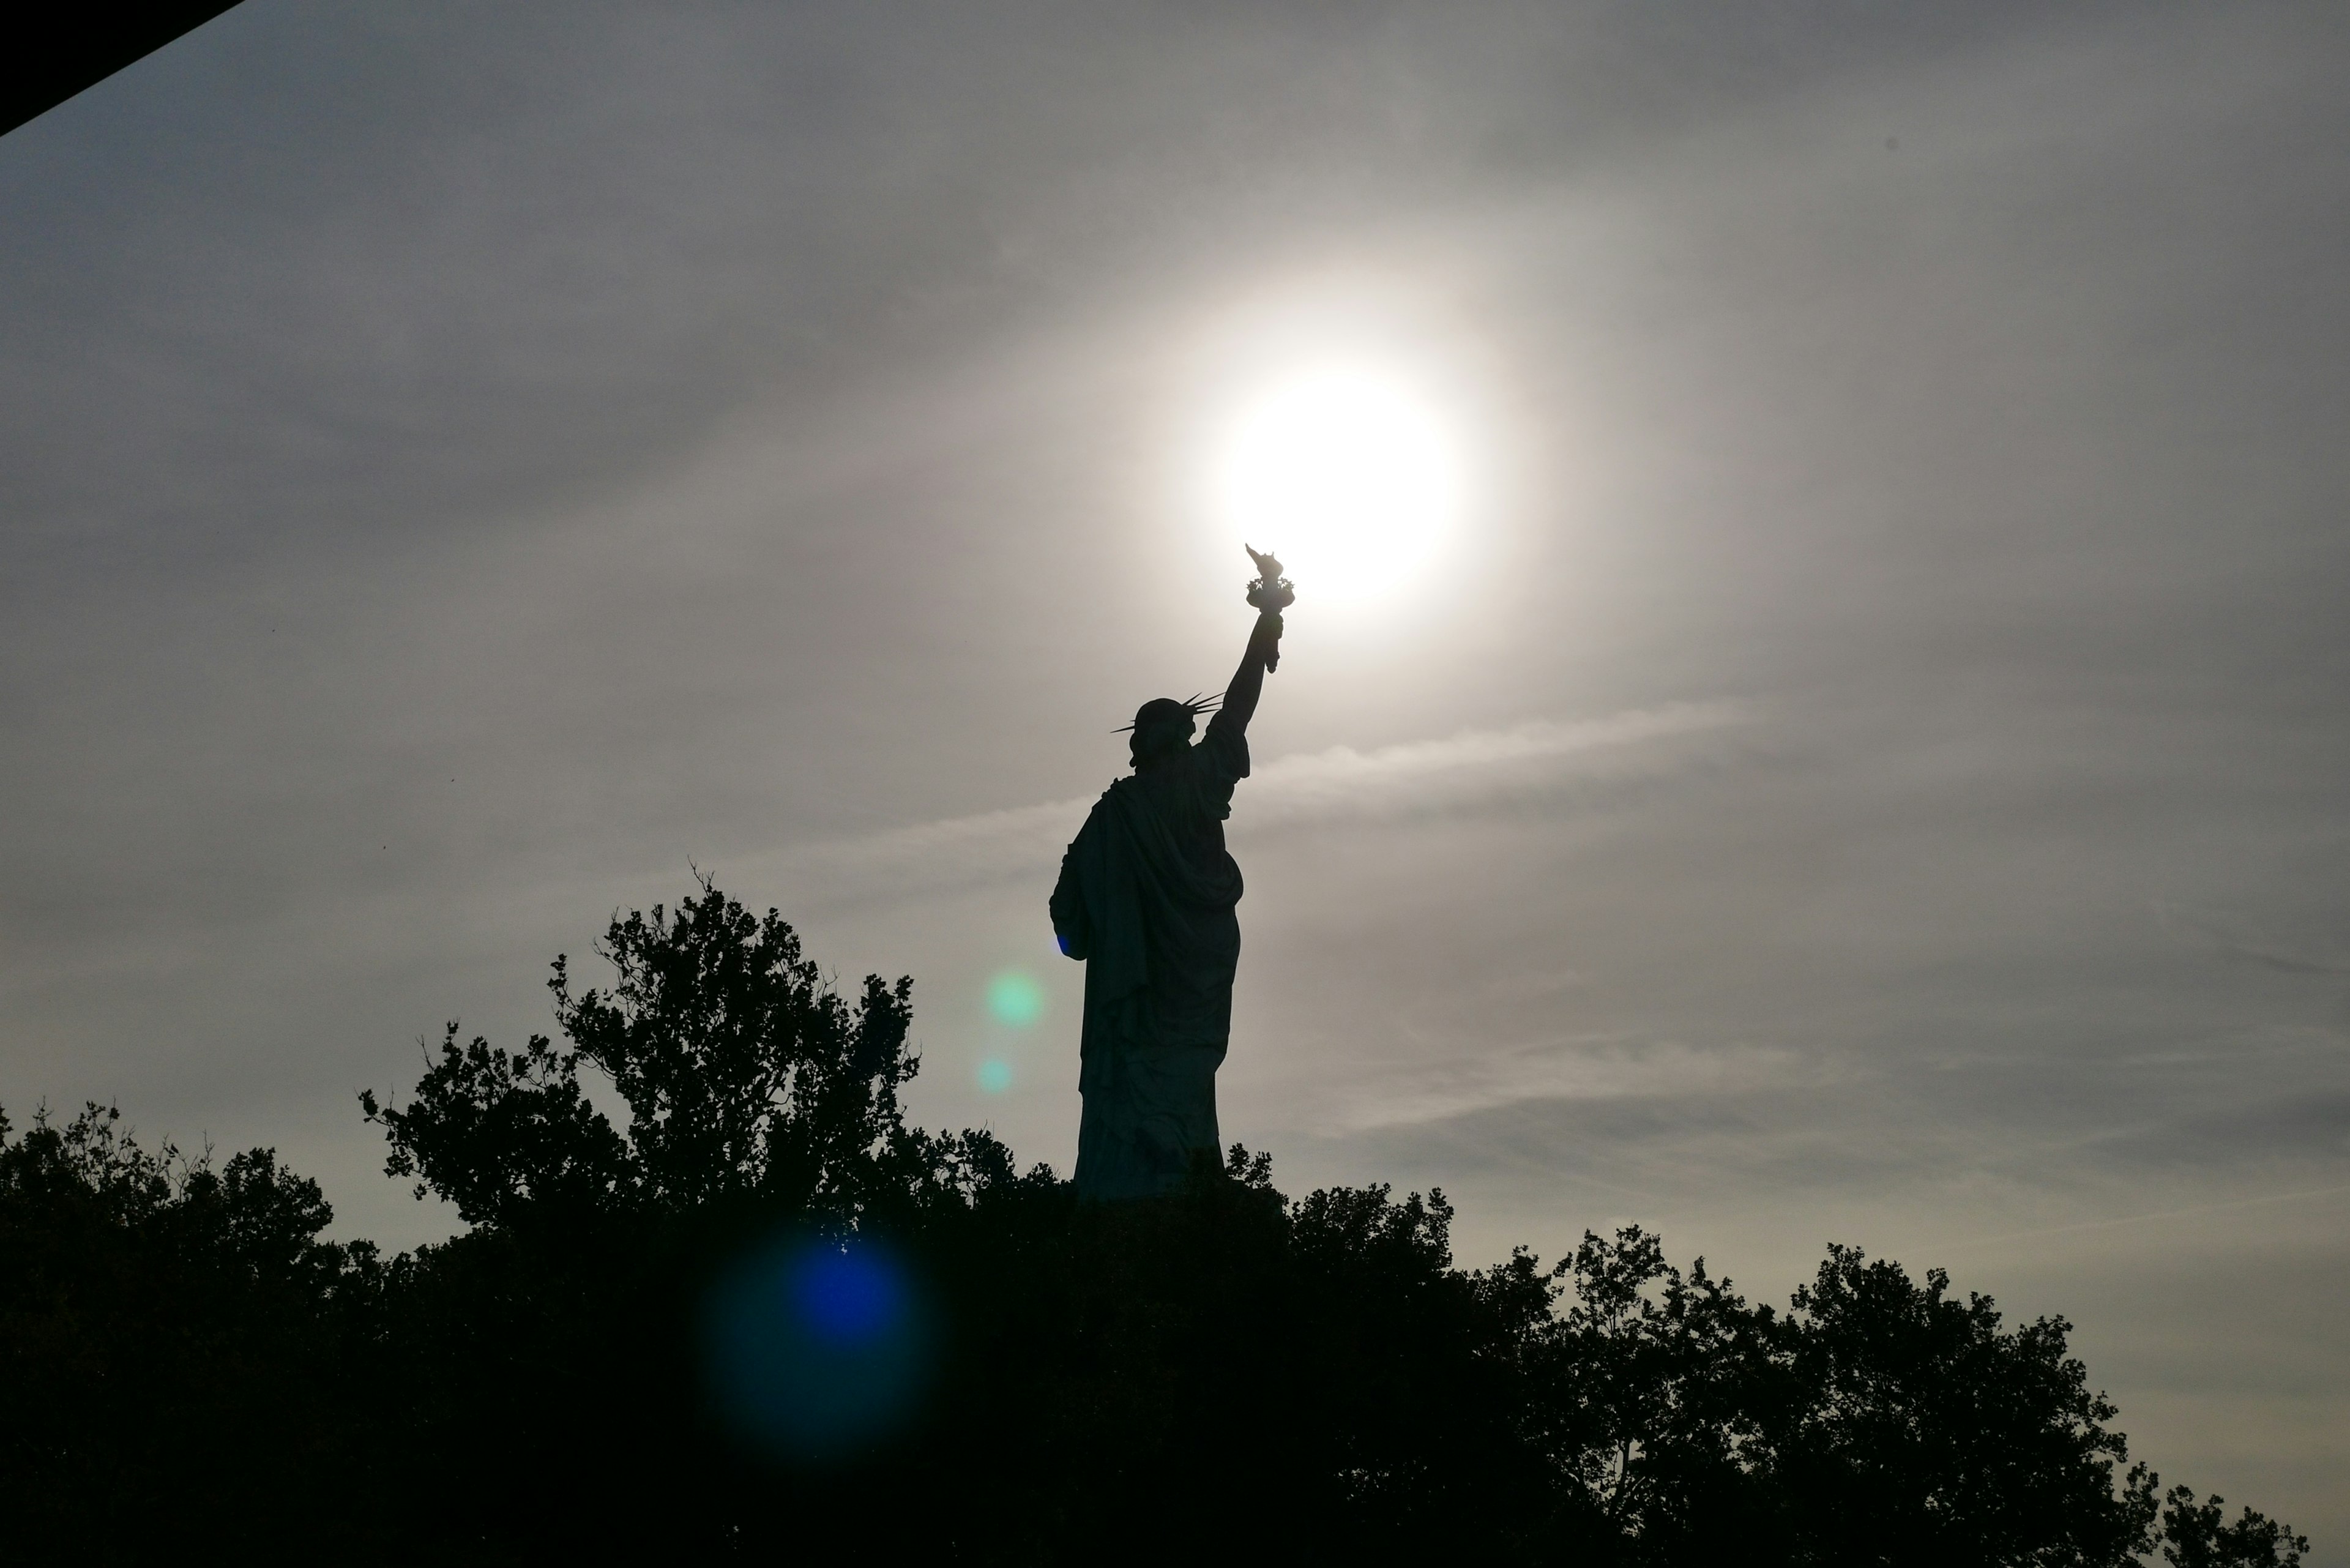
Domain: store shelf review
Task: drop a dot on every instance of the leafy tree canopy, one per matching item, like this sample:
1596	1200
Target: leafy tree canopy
1224	1370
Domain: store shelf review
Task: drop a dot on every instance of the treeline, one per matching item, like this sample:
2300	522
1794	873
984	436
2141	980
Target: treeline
767	1319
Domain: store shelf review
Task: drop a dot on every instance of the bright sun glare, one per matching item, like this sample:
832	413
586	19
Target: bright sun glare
1346	474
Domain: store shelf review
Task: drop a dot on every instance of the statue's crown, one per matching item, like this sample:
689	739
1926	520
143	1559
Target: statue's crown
1164	710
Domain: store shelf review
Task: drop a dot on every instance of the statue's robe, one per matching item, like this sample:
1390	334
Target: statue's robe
1146	898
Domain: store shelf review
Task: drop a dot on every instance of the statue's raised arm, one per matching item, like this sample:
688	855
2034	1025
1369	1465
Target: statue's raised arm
1271	594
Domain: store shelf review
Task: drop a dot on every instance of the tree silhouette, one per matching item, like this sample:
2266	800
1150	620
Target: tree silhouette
170	1338
746	1076
2197	1536
1221	1370
1929	1427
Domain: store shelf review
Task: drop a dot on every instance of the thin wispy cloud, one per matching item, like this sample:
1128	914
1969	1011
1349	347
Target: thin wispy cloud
2234	936
1475	767
1457	774
1594	1067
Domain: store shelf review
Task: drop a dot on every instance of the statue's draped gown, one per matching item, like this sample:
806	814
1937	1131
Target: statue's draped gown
1146	898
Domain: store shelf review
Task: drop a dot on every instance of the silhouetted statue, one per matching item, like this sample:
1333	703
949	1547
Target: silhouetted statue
1146	898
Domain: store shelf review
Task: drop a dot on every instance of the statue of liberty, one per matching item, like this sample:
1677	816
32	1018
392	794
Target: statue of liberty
1146	899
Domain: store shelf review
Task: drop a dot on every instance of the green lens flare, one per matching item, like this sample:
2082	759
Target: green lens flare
1015	1000
995	1076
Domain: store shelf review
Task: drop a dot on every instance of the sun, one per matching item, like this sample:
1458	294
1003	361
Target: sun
1344	472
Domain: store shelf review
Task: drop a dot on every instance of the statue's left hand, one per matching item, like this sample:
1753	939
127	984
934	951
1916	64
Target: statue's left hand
1271	595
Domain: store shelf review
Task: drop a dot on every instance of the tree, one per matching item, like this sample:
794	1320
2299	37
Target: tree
170	1338
1655	1390
746	1076
1931	1434
1221	1367
2197	1536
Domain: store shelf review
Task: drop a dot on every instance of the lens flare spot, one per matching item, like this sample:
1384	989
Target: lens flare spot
996	1074
847	1298
1014	999
813	1349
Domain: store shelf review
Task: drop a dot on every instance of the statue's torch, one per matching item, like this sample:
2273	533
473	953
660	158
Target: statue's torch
1271	593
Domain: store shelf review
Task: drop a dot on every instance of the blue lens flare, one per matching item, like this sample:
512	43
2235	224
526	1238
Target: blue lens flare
1014	999
816	1349
847	1298
996	1074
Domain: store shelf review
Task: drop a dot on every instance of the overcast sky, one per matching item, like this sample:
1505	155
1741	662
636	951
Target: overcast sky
1869	762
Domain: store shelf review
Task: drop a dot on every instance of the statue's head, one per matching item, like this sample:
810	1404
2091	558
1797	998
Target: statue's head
1163	726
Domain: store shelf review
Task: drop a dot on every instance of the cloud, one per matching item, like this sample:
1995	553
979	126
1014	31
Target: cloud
1476	766
2239	937
1462	772
1594	1067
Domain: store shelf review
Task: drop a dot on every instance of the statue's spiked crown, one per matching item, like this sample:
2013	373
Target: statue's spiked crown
1168	709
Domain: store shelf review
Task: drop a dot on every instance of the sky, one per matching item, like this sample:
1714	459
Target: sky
1857	754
